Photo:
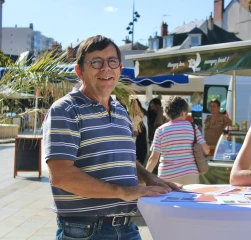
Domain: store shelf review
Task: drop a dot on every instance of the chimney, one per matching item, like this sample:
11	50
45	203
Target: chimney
70	53
210	23
31	26
245	4
218	12
55	46
164	30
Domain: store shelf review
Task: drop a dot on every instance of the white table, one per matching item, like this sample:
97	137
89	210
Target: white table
195	220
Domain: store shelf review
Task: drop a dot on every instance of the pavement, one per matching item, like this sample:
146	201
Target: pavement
25	201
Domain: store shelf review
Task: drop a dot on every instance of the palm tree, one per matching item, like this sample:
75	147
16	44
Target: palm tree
48	79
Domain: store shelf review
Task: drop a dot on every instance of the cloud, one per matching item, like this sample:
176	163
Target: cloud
110	9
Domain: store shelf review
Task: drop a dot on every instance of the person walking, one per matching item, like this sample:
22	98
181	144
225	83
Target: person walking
173	146
140	135
90	152
155	105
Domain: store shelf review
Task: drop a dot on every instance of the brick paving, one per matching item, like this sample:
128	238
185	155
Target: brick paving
25	202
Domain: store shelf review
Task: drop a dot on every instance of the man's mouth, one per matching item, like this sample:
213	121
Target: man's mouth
105	78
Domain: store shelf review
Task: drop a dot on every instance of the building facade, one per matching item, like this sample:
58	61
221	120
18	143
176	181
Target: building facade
16	40
235	18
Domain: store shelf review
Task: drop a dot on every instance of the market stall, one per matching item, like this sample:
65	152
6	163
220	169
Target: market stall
232	58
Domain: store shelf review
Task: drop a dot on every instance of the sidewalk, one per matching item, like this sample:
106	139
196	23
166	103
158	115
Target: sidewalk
25	202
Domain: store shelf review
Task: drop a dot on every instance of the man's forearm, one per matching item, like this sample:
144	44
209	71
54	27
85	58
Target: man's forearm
241	178
143	174
72	179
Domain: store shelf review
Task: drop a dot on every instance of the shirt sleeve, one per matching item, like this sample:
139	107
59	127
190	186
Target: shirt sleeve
61	136
227	121
156	144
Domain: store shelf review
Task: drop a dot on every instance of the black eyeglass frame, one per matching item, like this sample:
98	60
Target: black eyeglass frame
104	60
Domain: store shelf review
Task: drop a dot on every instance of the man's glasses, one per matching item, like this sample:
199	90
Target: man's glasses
98	63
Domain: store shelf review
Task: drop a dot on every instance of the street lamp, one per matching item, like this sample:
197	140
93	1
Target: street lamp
130	27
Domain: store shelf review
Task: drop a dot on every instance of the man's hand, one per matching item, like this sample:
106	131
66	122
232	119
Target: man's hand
135	192
150	179
153	180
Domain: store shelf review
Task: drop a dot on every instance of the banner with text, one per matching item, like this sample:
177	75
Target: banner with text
197	62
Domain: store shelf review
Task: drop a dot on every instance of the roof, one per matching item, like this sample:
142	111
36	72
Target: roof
208	37
219	35
186	28
196	31
136	46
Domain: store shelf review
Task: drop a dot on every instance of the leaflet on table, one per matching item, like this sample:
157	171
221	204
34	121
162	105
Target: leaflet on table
233	199
181	196
222	195
219	190
213	190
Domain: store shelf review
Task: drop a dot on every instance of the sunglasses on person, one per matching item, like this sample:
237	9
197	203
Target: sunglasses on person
98	63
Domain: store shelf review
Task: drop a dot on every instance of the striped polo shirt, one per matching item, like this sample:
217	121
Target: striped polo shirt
100	144
174	141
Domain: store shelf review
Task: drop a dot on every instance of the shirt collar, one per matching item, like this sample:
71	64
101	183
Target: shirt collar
76	93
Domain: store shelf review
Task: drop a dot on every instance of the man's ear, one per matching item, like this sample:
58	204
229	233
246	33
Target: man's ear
78	71
120	66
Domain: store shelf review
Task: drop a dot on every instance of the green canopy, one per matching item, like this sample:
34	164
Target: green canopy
202	60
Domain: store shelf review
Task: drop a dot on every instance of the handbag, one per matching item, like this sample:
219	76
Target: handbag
200	160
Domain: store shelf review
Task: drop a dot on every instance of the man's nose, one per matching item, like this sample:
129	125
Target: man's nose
105	65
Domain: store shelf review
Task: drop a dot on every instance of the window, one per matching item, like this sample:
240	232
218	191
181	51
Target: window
214	91
155	44
195	40
168	42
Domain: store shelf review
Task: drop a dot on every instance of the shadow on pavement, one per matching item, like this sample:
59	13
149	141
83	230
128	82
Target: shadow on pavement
36	179
5	146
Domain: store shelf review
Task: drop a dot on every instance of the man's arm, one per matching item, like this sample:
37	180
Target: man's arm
241	173
64	175
152	180
228	121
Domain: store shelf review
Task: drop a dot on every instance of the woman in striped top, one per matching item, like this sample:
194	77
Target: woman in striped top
172	146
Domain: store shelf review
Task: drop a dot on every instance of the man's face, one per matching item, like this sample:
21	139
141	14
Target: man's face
100	82
154	107
214	108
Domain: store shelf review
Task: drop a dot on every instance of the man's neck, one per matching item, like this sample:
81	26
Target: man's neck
105	101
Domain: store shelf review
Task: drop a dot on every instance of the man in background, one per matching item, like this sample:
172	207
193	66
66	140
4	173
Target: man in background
155	105
215	123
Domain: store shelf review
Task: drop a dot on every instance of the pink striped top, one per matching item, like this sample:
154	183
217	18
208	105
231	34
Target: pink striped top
174	141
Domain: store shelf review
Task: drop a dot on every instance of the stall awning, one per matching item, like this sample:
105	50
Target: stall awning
165	81
202	60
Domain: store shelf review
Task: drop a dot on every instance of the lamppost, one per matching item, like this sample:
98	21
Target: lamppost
130	27
1	4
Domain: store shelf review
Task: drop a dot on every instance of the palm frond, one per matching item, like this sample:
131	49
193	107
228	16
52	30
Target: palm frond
47	78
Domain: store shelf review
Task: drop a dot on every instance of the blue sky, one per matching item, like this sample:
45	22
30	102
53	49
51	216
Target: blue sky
69	20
